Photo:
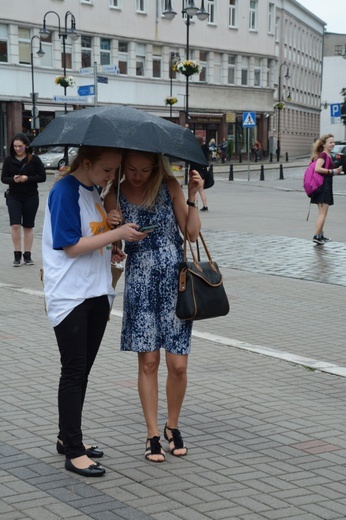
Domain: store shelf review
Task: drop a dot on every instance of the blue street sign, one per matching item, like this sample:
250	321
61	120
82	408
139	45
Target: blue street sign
86	90
249	119
102	79
335	110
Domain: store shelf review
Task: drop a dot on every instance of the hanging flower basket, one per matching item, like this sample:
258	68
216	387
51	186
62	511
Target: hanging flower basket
65	81
279	105
171	100
187	67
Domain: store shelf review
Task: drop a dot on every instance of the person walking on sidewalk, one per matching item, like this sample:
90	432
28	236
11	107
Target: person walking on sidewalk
202	170
149	194
324	196
76	252
22	171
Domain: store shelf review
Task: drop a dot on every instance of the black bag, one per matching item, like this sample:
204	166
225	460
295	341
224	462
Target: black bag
201	293
209	178
6	193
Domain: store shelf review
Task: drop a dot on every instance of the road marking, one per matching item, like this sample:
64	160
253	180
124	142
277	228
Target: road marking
312	364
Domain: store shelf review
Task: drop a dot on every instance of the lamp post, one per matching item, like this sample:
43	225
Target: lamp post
188	10
280	100
73	34
173	56
34	95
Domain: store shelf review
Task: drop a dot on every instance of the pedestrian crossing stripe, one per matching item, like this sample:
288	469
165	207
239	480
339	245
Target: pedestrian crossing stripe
249	119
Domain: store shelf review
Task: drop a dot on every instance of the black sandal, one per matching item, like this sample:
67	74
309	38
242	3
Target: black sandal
177	440
154	448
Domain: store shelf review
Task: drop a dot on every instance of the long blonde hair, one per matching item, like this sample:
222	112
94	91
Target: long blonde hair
160	171
90	153
318	146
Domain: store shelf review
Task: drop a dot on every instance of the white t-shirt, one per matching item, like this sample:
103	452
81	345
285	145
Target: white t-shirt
73	211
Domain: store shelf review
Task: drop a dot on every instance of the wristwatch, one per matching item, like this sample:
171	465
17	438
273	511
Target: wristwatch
192	204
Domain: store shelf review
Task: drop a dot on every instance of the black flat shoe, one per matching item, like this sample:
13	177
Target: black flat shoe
92	452
94	470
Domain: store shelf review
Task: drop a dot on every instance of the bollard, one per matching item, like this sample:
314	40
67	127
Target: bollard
286	156
230	177
270	157
262	173
281	172
240	158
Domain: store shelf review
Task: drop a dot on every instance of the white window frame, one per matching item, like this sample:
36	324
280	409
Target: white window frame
105	52
211	8
271	18
253	8
141	6
244	71
88	50
140	58
231	67
257	79
4	38
124	58
24	47
115	4
47	47
233	13
157	57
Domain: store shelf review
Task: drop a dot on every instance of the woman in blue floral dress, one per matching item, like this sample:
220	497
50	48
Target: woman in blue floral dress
149	194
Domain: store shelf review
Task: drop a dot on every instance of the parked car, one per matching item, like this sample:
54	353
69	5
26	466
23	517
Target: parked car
339	156
54	158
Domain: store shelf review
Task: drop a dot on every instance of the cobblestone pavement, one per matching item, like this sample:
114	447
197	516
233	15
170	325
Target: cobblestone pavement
263	415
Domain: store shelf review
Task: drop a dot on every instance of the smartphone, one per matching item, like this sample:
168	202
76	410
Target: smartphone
147	228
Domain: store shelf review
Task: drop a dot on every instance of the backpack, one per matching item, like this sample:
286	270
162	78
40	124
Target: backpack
313	180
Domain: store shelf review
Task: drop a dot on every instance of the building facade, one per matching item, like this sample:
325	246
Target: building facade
244	47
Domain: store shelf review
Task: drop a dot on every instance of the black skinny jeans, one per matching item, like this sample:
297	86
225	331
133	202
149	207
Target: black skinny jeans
79	336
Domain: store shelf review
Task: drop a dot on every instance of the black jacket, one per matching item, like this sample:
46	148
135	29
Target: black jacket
34	170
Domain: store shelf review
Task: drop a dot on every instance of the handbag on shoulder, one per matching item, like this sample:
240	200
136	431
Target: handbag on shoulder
201	293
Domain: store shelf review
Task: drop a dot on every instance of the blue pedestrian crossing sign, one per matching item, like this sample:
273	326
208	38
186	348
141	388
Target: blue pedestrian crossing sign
249	119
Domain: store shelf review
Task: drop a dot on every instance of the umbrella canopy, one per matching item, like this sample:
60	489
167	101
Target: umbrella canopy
122	127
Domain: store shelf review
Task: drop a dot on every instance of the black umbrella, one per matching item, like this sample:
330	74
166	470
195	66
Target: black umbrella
122	127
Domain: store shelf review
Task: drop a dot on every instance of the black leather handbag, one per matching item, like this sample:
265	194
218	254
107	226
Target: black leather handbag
201	292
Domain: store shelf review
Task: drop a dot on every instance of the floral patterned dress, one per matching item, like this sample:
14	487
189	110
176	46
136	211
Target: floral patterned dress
151	281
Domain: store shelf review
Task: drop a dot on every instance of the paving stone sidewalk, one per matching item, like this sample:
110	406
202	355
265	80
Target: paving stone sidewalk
266	437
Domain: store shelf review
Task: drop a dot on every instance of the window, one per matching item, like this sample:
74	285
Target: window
3	43
203	61
257	72
140	59
253	15
244	71
123	57
86	51
277	29
211	11
217	67
231	69
140	6
338	50
24	45
115	3
105	51
47	59
232	17
271	18
157	61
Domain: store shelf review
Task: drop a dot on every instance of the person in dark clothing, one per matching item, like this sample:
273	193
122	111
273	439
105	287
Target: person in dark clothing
22	171
202	170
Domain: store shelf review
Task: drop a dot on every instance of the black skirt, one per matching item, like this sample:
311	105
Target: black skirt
325	195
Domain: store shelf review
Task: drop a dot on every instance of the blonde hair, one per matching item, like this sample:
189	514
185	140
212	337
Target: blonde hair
90	153
319	144
161	170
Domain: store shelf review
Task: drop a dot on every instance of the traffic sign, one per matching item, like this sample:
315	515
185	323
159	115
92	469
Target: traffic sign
102	79
73	100
86	70
249	119
86	90
109	68
335	110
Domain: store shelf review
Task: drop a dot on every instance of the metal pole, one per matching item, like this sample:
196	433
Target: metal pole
278	148
95	84
171	82
187	87
248	153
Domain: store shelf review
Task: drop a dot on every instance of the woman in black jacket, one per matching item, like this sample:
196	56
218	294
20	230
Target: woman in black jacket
22	171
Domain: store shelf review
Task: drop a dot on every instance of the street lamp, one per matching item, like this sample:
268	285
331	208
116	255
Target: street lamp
74	35
280	100
188	11
71	32
35	125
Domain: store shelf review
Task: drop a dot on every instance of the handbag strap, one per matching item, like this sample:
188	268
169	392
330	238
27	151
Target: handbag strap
197	258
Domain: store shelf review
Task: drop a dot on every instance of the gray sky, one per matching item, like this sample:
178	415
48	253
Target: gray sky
333	12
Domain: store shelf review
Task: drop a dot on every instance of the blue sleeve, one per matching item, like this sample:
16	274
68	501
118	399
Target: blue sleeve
63	203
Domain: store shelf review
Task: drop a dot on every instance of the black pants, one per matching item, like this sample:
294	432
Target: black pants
79	336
